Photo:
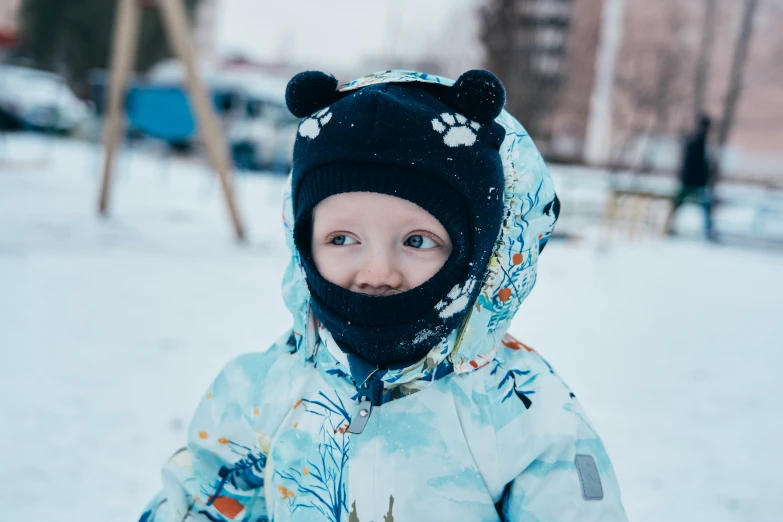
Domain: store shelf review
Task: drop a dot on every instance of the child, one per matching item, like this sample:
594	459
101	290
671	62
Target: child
416	213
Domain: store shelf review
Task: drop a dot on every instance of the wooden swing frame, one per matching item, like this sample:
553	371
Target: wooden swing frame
126	35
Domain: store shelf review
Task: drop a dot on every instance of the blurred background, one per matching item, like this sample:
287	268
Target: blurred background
112	326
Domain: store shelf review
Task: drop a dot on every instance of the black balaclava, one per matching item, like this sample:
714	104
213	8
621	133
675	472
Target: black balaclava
433	145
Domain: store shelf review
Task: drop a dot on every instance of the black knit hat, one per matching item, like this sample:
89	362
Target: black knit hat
430	144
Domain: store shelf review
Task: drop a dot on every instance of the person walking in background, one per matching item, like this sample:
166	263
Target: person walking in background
697	178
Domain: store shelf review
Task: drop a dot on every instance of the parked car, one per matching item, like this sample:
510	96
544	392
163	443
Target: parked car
38	100
260	130
251	105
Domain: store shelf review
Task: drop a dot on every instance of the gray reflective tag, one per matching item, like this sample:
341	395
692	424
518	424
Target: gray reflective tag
589	477
361	417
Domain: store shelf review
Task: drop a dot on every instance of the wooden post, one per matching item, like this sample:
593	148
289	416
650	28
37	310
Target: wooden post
126	35
176	23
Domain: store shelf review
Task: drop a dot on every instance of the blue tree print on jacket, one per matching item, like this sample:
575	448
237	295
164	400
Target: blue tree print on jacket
520	389
324	479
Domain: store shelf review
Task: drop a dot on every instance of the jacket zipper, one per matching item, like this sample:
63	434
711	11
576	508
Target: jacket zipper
370	394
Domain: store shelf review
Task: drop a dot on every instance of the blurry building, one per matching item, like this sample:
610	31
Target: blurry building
547	24
8	26
653	92
575	55
526	45
8	12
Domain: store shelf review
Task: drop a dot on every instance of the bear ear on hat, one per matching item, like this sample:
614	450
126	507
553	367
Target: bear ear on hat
479	95
309	92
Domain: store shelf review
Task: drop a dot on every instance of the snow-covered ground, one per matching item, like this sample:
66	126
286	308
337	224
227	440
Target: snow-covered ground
111	329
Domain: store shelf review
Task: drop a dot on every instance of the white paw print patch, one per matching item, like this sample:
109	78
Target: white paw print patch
457	128
457	299
311	127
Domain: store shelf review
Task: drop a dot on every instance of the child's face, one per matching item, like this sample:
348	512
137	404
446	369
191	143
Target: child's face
376	244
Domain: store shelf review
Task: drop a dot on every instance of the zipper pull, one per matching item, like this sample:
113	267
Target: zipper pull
361	417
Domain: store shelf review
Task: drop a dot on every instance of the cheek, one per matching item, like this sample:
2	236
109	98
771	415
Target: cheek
420	269
333	264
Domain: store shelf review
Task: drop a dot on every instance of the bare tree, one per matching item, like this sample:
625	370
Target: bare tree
653	80
758	114
73	40
737	72
703	62
525	46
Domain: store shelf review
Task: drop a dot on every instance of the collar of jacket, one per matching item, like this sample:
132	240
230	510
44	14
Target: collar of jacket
397	381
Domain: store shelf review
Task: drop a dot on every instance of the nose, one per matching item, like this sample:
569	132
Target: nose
379	275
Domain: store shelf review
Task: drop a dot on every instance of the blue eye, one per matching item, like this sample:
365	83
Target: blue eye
342	240
420	241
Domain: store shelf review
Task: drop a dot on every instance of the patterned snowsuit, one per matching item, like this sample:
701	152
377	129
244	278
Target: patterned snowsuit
482	430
